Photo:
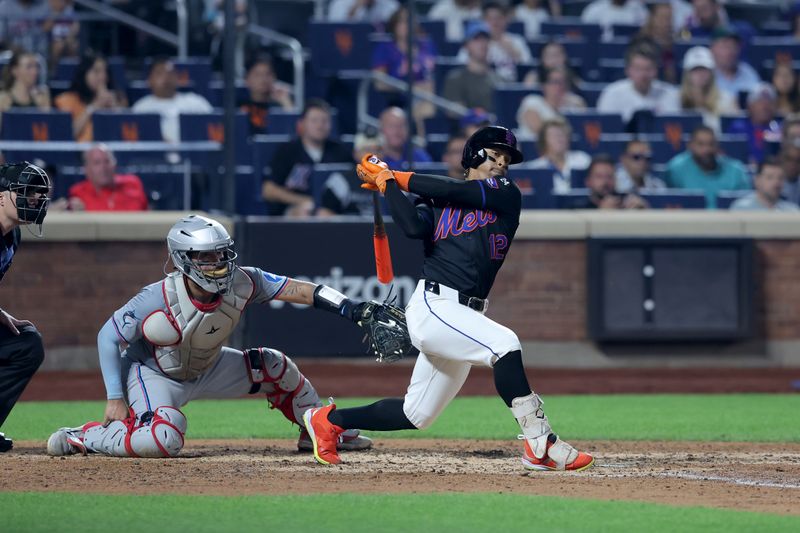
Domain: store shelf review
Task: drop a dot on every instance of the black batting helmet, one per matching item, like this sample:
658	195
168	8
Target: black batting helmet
496	137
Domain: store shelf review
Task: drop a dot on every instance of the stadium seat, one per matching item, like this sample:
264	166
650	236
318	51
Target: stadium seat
726	121
20	124
765	52
726	198
675	199
339	46
439	124
435	29
216	92
735	146
613	49
625	30
536	186
571	199
211	127
589	126
572	28
675	127
249	201
507	100
126	126
591	92
65	70
192	72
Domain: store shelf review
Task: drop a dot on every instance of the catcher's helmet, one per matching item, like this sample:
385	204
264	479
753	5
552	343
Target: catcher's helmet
32	187
496	137
194	234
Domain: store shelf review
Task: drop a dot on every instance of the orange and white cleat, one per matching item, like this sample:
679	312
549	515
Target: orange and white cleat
543	449
324	435
558	456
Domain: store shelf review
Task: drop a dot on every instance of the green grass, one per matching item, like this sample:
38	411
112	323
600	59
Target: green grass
353	512
733	417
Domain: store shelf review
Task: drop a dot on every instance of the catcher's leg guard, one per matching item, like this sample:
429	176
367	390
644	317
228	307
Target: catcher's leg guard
155	434
543	449
286	388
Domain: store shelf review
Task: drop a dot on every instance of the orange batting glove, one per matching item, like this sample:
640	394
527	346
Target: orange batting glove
375	173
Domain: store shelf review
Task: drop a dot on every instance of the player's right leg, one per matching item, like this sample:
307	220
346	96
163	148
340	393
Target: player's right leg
155	428
20	357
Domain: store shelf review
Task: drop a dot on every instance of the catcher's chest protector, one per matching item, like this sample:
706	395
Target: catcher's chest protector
187	341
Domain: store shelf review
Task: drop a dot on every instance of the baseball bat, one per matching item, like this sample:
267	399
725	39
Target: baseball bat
383	257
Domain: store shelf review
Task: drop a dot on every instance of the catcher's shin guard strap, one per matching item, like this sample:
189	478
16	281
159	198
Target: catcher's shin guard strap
333	301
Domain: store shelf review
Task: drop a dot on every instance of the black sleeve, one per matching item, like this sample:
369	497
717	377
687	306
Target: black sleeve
281	164
415	223
500	195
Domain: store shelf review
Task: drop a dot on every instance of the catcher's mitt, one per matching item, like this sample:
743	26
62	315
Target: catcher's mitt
387	333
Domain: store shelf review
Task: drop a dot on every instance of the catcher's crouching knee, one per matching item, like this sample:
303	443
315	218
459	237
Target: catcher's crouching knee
158	436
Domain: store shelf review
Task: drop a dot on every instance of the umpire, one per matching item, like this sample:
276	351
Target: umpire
24	198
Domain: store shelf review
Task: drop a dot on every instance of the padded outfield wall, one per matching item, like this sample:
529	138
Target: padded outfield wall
89	264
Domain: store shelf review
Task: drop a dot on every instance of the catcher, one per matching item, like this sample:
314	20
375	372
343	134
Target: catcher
165	347
467	227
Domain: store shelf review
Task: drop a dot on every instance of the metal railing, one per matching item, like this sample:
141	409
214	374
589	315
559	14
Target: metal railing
367	77
179	40
298	63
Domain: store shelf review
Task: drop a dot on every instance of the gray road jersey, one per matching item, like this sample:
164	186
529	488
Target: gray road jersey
128	319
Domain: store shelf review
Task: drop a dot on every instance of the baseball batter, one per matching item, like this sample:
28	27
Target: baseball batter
164	348
467	227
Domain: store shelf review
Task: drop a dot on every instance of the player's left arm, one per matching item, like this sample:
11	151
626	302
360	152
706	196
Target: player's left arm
497	194
285	289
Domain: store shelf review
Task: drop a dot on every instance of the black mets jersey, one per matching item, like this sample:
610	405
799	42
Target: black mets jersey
467	227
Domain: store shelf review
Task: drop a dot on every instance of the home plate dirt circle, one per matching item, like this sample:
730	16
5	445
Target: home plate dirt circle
761	477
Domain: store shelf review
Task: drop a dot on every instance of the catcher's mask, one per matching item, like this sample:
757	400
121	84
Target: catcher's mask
202	249
495	137
32	188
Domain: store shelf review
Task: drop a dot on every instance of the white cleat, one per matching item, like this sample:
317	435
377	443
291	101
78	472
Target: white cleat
66	441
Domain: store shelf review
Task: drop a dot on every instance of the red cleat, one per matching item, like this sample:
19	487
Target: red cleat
324	435
559	456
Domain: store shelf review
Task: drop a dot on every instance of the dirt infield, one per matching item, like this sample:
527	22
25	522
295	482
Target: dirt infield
753	477
366	378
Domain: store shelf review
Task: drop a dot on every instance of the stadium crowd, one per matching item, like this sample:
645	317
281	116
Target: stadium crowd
618	104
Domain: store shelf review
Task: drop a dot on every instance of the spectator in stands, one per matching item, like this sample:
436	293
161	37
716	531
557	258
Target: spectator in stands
556	98
790	162
790	131
768	183
506	50
392	58
395	139
287	188
552	56
452	156
659	30
374	11
640	90
761	125
22	29
633	172
473	84
600	182
21	84
784	79
63	30
92	89
104	189
474	120
699	90
167	101
606	13
733	75
264	92
532	13
703	167
455	13
706	17
554	154
681	12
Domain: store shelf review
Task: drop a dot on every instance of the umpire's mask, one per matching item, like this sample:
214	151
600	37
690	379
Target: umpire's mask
32	188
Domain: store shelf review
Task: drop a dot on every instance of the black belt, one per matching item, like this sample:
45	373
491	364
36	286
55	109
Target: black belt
470	301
